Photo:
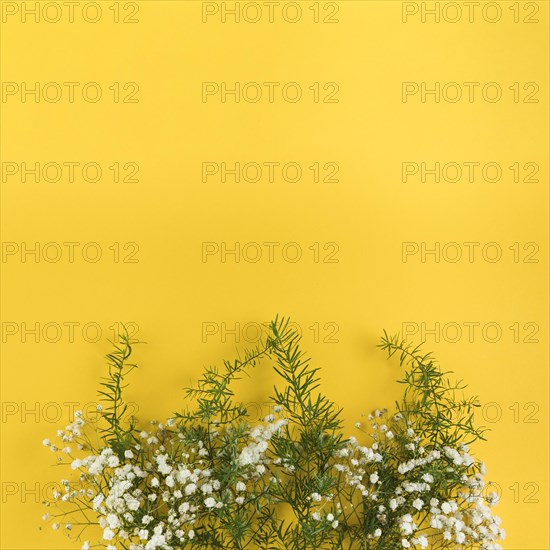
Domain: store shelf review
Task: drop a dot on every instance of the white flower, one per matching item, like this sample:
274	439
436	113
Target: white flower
374	477
133	503
157	540
249	455
453	455
407	526
86	545
97	501
108	534
210	502
418	503
129	454
112	521
240	486
422	541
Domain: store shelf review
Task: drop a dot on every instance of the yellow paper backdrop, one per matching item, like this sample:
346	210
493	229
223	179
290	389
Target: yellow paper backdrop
337	220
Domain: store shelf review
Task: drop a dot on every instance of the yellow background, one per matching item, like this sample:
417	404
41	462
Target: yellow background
170	293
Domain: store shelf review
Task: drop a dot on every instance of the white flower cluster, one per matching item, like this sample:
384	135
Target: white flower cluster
165	485
155	493
254	452
413	496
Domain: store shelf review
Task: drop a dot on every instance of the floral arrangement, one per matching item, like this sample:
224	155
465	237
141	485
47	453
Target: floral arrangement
208	478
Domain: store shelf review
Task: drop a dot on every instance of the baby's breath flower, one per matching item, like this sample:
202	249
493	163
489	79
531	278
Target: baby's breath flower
240	486
212	466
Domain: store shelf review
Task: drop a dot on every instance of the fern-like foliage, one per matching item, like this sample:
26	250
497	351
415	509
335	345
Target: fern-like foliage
212	398
308	442
119	431
436	405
